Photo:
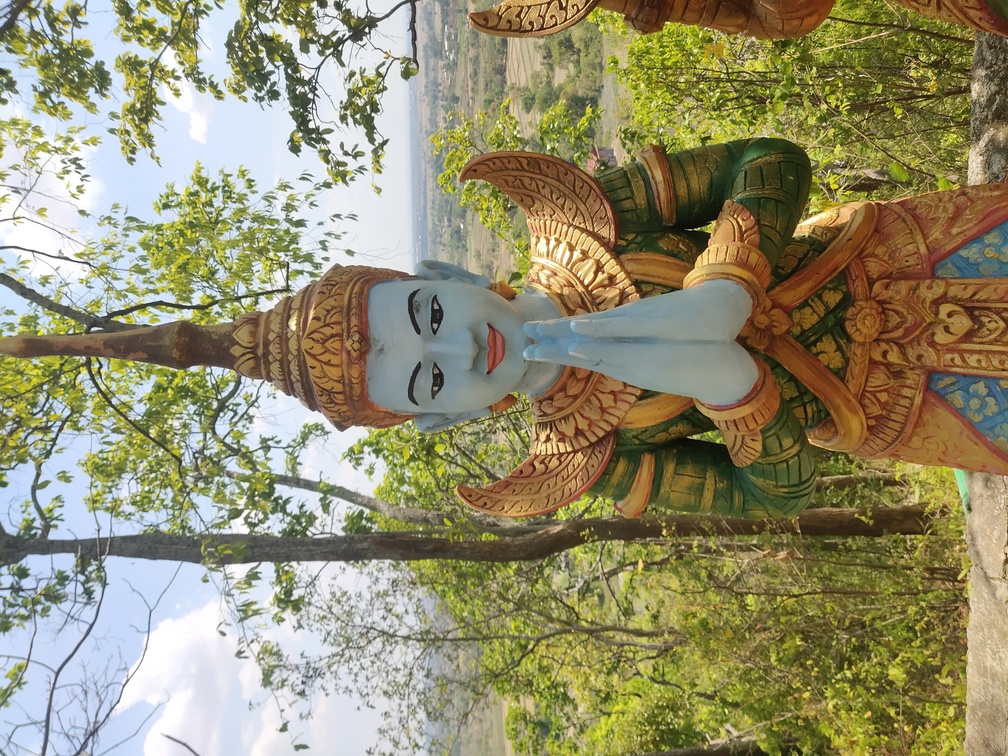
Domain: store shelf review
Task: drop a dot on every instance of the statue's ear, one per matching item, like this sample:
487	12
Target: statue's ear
432	422
435	270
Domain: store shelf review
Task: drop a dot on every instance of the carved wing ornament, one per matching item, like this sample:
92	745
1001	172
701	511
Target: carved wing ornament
573	231
548	188
530	18
543	482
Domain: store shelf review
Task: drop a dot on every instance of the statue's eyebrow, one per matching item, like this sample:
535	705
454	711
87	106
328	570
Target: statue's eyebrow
412	316
410	390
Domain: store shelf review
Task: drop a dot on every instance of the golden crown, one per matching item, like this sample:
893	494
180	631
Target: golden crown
314	345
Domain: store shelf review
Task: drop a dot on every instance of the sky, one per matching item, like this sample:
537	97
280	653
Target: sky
190	685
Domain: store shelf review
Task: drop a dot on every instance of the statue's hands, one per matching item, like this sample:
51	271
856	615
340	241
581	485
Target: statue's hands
714	310
678	343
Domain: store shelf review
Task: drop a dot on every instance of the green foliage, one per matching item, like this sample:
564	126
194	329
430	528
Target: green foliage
844	645
560	132
159	449
570	71
821	645
277	50
422	469
837	645
879	97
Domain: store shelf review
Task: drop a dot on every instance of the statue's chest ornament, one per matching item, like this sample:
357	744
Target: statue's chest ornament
580	275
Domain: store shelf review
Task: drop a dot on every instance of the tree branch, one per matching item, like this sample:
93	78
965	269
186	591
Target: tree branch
85	319
13	13
553	538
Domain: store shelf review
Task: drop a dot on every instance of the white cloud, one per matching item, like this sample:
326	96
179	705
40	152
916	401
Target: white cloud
208	697
191	103
190	670
196	107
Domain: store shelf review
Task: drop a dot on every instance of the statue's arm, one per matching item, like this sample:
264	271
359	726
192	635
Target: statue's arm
698	476
768	177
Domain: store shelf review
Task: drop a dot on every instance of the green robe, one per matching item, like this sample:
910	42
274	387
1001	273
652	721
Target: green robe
771	179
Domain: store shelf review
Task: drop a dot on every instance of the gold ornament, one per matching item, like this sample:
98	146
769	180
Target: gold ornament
313	345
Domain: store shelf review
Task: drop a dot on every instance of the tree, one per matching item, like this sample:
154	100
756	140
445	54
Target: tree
560	132
878	96
611	645
209	489
512	544
214	248
275	51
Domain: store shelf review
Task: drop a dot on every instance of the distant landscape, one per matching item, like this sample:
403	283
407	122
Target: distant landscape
462	70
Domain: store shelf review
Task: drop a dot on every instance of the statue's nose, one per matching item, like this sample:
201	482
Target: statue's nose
457	346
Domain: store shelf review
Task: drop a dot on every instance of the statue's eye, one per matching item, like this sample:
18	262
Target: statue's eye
437	380
436	314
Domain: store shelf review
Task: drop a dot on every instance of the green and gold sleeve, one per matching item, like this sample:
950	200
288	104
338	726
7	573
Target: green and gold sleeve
698	476
769	177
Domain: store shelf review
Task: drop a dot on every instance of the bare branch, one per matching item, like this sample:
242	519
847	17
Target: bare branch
55	680
85	319
182	743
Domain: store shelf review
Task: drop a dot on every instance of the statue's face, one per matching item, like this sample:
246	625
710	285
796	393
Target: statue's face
442	346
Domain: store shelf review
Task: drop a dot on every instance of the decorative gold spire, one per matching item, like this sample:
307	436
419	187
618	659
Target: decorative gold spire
312	345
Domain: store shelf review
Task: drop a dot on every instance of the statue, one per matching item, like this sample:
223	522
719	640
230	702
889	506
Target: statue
763	19
876	328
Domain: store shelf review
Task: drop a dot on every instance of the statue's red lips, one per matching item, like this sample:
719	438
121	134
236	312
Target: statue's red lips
495	348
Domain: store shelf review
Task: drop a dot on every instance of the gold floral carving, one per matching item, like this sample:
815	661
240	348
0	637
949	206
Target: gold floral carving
942	436
773	19
577	272
548	189
957	325
864	321
765	19
525	18
765	324
879	242
542	483
942	220
891	400
580	276
904	323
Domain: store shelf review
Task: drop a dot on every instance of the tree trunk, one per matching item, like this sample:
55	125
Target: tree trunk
987	528
988	158
551	538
